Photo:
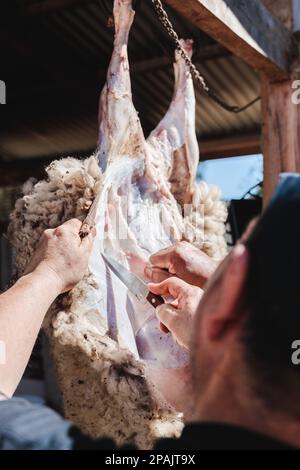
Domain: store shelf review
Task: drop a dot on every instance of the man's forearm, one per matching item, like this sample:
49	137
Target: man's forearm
22	311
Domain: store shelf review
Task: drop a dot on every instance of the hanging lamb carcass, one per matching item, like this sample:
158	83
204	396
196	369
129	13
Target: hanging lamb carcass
119	375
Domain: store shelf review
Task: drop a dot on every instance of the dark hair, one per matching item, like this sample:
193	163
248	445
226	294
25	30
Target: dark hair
272	293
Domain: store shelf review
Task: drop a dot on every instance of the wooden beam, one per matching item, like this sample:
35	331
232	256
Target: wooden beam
281	133
281	114
247	29
231	146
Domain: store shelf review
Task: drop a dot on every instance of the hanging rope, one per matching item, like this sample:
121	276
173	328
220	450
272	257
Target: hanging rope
164	19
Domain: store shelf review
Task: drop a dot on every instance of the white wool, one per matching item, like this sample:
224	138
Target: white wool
105	390
205	224
68	192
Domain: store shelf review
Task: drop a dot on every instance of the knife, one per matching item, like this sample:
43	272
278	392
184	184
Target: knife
135	285
89	221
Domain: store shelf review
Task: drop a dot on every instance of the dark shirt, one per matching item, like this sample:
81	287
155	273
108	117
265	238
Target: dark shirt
28	426
213	436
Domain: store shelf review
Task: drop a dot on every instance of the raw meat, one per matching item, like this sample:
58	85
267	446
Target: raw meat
137	212
175	136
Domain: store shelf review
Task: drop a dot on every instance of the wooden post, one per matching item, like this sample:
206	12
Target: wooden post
281	133
281	115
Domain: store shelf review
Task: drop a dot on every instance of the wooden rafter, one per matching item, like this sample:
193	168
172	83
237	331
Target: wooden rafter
247	29
261	32
231	146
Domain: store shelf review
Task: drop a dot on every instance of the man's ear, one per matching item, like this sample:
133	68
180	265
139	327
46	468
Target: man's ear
226	313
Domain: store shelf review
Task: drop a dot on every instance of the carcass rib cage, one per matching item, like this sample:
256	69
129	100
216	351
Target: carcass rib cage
107	348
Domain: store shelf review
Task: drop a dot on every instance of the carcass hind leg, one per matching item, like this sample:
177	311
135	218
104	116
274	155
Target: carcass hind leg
120	131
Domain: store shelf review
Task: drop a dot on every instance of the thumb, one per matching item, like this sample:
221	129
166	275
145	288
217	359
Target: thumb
172	286
87	242
156	275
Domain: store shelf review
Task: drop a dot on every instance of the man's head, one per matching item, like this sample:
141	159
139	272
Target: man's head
250	313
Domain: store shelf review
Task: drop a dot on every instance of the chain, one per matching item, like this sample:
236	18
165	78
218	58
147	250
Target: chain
164	19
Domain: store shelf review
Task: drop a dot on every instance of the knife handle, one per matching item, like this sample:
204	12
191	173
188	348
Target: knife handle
156	301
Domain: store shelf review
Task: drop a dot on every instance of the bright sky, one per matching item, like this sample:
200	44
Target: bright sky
235	176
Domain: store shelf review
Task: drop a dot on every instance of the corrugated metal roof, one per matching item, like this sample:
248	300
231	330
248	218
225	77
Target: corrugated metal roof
64	58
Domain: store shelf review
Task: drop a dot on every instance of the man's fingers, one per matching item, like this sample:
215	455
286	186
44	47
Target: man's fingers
48	233
156	274
162	258
160	289
167	315
172	286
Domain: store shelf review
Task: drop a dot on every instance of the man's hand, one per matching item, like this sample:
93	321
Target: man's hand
62	254
178	316
182	260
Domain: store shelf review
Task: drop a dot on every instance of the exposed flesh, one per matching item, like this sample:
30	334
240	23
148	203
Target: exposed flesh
175	136
134	176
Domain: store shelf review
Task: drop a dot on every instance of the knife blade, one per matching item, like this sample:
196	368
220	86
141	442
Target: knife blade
135	285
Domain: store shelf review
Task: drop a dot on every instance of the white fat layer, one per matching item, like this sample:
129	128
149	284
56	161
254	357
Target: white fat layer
138	217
